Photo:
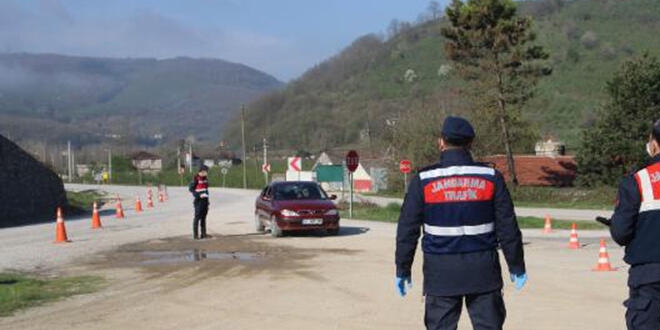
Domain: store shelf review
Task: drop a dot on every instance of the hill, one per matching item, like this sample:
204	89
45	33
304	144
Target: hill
58	97
352	97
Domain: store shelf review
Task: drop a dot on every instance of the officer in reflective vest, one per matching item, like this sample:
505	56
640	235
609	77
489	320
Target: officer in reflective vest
636	225
466	212
199	187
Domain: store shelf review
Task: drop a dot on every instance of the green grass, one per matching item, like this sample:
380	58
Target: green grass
390	213
563	198
21	291
83	200
573	198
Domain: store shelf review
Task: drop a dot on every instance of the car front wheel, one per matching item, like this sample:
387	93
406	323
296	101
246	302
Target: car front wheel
275	230
258	226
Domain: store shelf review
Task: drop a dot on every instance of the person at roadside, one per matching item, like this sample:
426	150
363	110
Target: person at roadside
466	212
199	187
636	225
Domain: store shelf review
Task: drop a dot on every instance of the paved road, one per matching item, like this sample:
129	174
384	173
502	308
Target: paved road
555	213
304	281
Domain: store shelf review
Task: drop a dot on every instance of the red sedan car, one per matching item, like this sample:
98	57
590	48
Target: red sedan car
293	205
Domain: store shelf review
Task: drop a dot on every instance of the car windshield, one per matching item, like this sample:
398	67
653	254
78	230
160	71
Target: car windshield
298	191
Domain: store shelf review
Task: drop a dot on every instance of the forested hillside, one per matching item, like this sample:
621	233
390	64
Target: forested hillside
360	95
53	97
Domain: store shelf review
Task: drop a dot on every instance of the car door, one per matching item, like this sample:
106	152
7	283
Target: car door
264	204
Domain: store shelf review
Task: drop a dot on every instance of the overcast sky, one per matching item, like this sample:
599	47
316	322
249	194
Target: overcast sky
280	37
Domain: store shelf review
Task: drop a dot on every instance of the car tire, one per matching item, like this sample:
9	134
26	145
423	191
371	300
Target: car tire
258	226
275	230
333	231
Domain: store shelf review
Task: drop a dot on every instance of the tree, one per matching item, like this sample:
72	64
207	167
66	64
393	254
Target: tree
614	145
434	9
490	45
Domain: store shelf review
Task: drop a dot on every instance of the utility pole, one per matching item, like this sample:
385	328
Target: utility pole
178	164
68	160
109	165
191	158
243	143
264	169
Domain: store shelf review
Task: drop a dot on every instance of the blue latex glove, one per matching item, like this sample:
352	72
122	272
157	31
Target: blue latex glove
519	280
400	283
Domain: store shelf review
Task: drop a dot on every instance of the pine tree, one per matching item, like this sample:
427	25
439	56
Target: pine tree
490	44
615	144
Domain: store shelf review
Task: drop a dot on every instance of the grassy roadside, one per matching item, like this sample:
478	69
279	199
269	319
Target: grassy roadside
81	201
22	291
390	213
550	197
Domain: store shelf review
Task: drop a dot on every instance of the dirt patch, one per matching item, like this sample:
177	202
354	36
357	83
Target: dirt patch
190	261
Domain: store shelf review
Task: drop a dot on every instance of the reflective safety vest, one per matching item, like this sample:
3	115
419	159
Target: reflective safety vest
459	215
202	186
648	182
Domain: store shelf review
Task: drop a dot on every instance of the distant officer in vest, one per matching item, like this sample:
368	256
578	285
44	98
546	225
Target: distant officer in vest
466	212
636	225
199	187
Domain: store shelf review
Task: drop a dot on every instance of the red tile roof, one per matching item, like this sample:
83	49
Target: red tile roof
557	171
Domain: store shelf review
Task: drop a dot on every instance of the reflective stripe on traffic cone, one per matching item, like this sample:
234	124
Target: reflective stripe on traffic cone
547	228
96	218
60	229
574	243
138	204
119	211
603	259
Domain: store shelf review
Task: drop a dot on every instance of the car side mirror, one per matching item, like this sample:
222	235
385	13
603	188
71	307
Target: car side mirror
333	197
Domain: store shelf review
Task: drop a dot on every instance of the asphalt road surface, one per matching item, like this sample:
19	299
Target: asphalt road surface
158	278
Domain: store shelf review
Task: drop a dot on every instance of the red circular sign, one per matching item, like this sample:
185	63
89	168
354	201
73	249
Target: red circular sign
352	160
405	166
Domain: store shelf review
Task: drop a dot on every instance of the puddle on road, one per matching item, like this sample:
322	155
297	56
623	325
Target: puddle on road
196	255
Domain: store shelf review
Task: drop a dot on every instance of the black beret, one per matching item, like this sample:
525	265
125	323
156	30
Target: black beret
457	128
656	129
203	168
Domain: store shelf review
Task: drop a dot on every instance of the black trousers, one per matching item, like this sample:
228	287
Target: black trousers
486	310
199	223
643	307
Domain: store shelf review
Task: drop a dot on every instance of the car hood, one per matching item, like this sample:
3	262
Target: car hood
305	204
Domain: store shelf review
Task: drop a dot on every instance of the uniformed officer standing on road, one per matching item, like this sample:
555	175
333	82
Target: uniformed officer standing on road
636	225
199	187
466	212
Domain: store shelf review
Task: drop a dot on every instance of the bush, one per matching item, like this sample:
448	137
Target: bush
589	40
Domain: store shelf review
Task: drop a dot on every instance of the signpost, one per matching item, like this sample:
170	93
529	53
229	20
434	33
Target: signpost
295	164
405	166
224	172
182	170
352	163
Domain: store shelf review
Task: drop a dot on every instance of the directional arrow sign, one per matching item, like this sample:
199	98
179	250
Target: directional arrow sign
265	168
295	164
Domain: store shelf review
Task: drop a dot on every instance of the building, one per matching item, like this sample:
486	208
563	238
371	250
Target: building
147	162
532	170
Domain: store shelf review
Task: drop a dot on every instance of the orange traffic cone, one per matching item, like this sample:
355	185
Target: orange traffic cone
161	197
138	204
603	259
60	229
574	243
547	228
150	201
119	211
96	219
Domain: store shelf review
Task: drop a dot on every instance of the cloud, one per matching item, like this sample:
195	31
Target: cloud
50	28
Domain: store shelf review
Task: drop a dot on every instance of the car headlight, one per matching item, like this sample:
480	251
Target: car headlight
289	213
332	212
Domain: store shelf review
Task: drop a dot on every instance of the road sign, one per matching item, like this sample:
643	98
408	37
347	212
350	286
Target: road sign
352	160
295	164
224	171
405	166
182	170
265	168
